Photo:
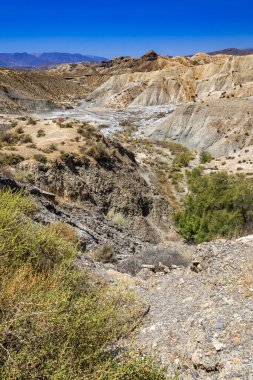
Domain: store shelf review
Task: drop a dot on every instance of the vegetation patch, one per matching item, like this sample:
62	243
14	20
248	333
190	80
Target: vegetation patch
40	158
17	137
41	133
56	321
205	157
10	159
217	205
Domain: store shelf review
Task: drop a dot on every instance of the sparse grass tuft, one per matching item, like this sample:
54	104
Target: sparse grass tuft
117	217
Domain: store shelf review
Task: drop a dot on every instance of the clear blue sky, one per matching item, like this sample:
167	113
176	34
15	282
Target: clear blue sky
111	28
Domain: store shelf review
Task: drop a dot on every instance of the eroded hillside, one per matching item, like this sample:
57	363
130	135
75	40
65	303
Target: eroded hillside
35	91
127	173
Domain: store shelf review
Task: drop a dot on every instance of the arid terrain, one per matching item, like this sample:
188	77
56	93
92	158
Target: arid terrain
107	149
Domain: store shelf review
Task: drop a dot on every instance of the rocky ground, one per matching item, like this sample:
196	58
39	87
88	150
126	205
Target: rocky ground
200	317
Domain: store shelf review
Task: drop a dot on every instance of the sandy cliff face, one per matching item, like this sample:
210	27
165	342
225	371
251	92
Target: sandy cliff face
199	78
220	126
213	95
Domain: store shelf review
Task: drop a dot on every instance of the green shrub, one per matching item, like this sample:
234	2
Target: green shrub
174	147
22	175
182	159
22	240
10	159
32	146
57	322
26	139
40	158
88	131
8	138
217	205
13	124
67	125
41	133
205	157
52	147
98	151
18	136
19	130
49	149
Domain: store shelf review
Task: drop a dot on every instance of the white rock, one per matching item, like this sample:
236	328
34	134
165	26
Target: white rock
218	345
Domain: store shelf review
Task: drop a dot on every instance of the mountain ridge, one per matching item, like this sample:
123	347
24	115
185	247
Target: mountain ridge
46	59
233	51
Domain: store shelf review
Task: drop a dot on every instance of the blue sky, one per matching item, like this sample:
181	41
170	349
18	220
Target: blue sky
111	28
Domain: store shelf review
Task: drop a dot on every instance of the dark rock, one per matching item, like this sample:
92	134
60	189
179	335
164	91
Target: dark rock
8	183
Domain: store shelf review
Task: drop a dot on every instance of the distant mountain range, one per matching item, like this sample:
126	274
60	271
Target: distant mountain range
232	51
26	60
45	60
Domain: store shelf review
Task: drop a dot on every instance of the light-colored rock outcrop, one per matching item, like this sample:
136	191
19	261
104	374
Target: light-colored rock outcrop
219	126
181	79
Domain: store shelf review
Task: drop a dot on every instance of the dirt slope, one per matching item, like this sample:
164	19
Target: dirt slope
35	91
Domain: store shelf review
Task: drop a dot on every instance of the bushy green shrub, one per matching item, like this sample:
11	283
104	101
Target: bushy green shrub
67	125
98	151
40	158
26	138
182	159
10	159
57	322
205	157
117	217
217	205
41	133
